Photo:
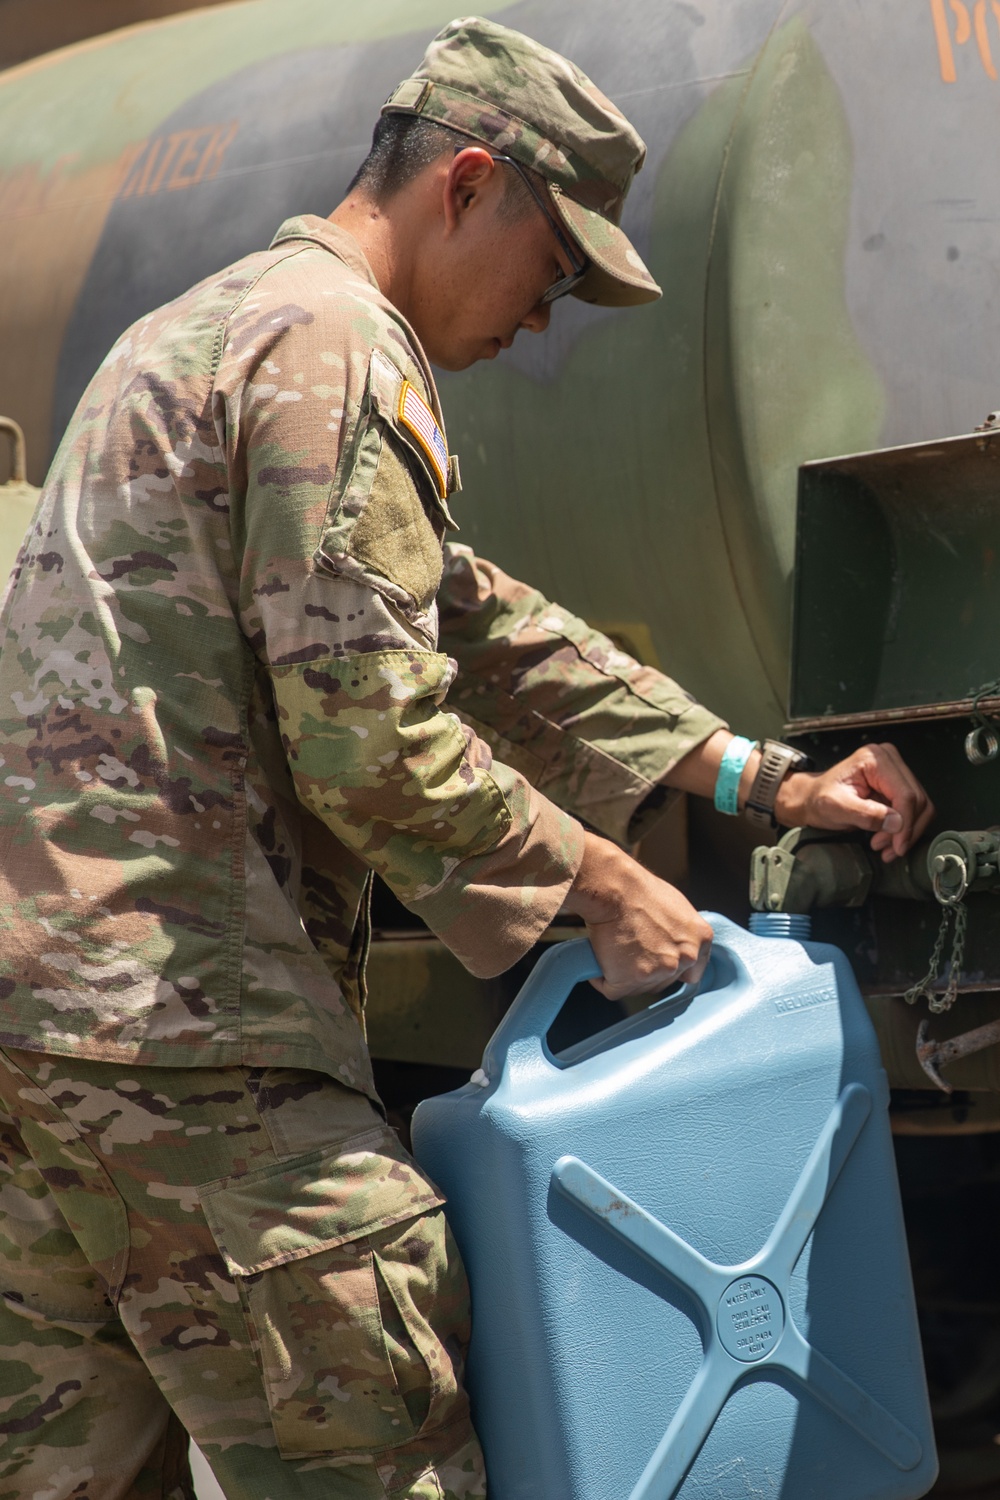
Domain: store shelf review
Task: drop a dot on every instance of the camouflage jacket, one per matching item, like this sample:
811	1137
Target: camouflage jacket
222	702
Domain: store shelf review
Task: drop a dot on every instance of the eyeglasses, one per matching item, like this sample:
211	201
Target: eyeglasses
580	263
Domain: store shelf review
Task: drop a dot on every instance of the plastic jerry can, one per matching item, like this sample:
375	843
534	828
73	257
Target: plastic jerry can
685	1244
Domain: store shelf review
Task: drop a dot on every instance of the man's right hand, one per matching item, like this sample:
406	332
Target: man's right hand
644	933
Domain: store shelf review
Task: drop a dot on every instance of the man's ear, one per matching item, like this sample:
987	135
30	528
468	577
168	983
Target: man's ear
468	174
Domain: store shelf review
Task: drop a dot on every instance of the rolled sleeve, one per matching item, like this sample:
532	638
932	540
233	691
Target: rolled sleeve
589	726
466	844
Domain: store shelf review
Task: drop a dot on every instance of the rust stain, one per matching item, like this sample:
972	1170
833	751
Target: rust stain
619	1206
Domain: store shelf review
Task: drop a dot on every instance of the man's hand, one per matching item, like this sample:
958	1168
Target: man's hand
645	934
872	789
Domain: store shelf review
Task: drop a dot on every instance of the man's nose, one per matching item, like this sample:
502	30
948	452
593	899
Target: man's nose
538	319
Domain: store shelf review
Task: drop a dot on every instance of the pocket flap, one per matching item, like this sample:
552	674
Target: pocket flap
294	1209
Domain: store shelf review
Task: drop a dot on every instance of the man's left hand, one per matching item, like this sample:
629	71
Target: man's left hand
872	789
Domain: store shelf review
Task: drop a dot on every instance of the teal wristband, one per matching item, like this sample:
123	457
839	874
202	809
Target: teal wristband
727	786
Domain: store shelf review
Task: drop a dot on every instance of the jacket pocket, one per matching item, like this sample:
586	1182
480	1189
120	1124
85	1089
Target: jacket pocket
353	1292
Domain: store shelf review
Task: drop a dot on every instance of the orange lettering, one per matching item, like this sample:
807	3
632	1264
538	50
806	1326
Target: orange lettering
216	149
982	40
138	183
963	28
167	158
177	161
191	153
950	36
124	183
945	54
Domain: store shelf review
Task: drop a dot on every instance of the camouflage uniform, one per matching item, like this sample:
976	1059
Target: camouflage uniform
222	705
247	1254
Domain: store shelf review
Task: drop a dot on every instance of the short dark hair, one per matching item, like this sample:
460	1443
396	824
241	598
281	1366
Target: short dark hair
403	145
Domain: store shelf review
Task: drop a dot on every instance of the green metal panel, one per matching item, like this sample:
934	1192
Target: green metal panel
654	474
896	587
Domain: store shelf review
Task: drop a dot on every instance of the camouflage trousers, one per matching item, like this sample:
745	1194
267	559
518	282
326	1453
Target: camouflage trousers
248	1256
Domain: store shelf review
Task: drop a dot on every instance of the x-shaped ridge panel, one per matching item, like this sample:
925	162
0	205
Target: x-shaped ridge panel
746	1312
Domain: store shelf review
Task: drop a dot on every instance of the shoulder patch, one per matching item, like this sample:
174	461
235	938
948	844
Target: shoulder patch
417	417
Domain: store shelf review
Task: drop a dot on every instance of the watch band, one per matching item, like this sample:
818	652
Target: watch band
776	763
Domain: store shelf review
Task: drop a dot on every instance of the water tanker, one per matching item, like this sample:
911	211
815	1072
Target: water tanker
819	204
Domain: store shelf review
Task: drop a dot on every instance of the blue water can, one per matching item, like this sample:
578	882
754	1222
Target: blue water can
685	1243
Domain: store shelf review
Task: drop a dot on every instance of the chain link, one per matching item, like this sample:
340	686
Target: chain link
923	988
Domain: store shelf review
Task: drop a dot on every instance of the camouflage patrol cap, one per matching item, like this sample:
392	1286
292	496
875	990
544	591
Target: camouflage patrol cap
523	100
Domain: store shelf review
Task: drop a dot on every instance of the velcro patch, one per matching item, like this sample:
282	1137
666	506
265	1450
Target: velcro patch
417	417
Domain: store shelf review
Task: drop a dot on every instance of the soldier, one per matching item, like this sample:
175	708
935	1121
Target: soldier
222	707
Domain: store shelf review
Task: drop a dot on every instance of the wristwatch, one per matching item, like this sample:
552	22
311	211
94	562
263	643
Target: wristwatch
777	762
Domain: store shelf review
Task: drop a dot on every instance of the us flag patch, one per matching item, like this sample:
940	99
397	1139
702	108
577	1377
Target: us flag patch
417	417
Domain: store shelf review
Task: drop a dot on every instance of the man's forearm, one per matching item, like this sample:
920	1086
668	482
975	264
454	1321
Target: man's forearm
699	771
871	790
595	730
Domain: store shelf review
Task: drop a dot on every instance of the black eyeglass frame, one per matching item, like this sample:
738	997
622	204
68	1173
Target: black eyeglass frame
580	263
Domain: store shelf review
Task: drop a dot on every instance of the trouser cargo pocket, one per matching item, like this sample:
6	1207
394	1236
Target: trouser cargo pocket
354	1295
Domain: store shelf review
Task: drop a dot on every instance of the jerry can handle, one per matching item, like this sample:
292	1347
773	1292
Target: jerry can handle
539	1001
520	1037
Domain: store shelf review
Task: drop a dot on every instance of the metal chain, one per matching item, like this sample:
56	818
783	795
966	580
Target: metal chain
923	988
